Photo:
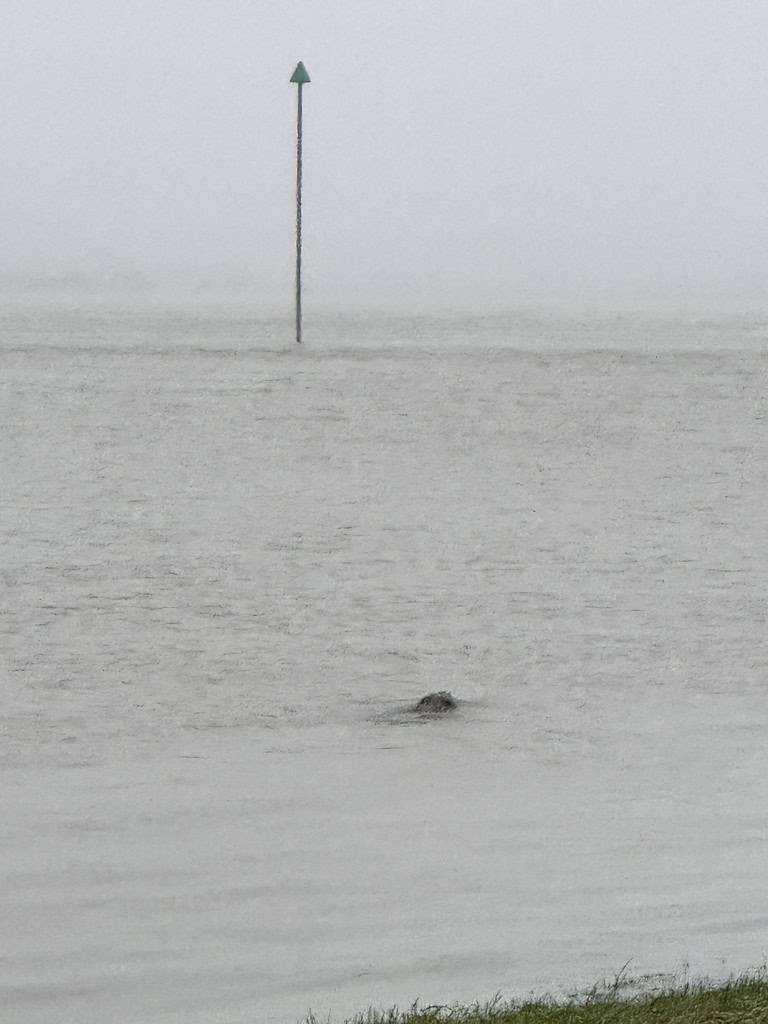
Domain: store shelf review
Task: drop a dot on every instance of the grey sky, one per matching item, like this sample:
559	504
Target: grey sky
455	152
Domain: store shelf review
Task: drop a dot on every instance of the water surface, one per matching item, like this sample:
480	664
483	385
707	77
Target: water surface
229	566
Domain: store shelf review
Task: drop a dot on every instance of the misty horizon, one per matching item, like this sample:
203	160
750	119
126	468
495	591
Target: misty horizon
451	157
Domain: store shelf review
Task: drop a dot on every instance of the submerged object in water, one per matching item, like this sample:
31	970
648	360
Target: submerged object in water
441	701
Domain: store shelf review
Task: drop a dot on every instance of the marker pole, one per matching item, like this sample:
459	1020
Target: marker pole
300	77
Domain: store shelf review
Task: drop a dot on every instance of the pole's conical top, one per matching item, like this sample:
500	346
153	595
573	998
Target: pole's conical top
300	75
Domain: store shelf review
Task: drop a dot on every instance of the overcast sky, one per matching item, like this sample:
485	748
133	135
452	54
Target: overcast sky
455	151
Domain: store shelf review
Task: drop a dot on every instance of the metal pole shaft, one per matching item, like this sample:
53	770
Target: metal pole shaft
298	221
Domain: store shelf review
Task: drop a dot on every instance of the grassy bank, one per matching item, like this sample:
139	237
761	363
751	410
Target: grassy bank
742	999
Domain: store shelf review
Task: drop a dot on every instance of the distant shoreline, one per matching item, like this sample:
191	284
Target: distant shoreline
205	321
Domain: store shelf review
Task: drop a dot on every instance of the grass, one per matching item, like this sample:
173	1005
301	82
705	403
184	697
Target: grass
740	999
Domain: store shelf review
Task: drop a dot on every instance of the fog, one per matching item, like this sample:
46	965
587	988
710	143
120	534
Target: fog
455	154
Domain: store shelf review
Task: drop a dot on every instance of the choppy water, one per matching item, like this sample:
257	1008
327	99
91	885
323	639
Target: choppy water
202	537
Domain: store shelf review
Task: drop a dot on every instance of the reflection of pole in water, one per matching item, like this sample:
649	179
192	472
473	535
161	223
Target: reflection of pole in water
300	77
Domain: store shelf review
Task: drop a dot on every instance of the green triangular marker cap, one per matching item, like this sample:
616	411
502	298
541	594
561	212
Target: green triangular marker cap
300	75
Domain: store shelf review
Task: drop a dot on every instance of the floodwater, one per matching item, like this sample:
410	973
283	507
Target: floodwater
229	567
